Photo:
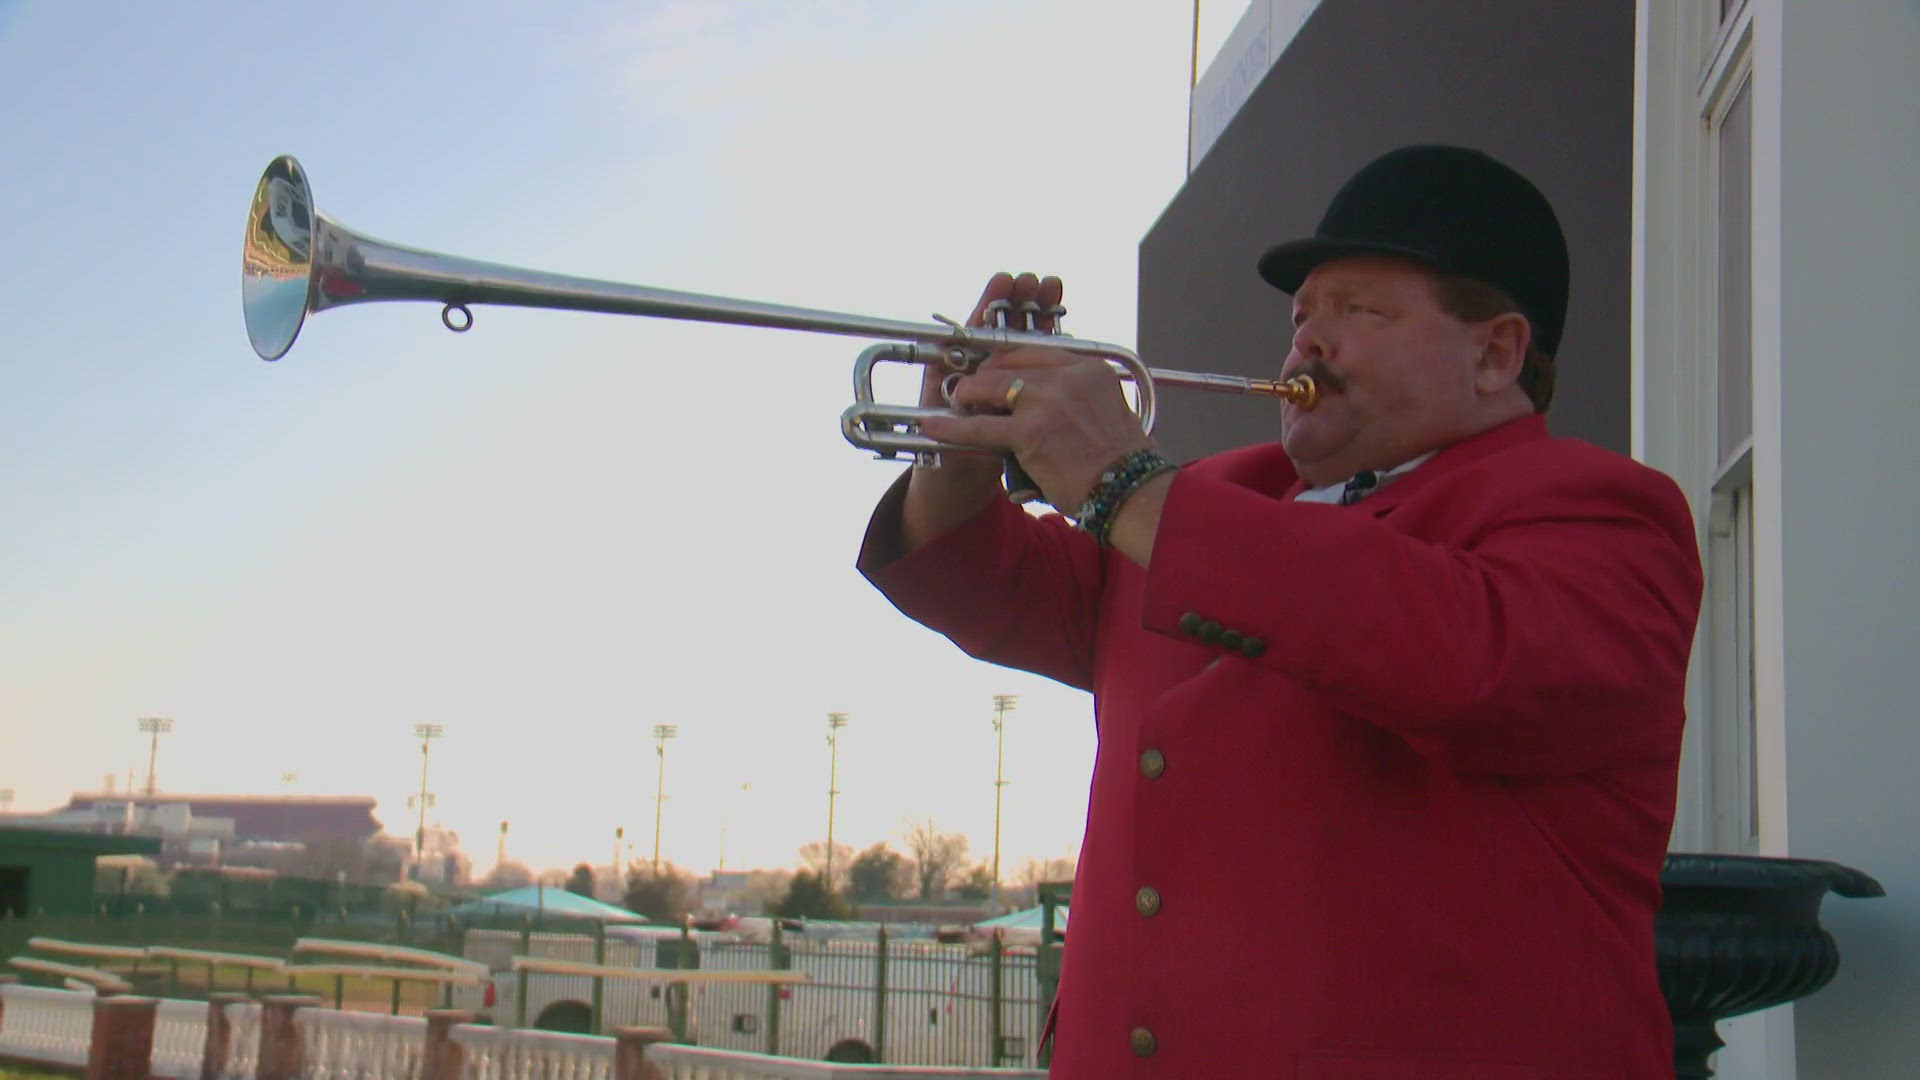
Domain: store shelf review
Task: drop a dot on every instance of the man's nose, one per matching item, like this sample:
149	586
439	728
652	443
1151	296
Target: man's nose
1310	340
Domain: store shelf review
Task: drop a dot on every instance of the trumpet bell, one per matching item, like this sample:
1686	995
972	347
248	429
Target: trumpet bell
276	273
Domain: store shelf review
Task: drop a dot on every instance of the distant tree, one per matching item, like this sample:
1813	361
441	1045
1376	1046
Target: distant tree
765	890
552	879
879	873
1040	871
813	857
509	875
1033	873
665	897
580	883
937	857
976	885
324	857
808	898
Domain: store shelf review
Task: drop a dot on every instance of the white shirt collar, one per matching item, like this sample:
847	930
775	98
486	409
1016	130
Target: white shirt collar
1330	493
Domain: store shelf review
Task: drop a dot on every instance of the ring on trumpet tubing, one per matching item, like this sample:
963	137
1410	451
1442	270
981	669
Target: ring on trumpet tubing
297	262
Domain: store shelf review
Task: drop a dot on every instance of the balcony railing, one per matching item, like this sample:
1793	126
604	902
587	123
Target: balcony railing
39	1024
290	1037
179	1039
490	1053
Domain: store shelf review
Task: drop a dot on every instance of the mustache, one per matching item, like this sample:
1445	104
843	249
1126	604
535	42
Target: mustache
1323	375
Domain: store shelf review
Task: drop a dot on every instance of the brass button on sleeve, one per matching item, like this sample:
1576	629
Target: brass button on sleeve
1190	624
1210	631
1147	901
1152	764
1231	639
1144	1044
1253	648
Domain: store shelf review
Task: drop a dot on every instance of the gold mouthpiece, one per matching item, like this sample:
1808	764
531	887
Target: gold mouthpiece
1300	390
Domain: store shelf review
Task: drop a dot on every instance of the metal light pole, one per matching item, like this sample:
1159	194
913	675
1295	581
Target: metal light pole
6	800
835	721
426	733
619	834
1002	705
156	726
661	733
500	860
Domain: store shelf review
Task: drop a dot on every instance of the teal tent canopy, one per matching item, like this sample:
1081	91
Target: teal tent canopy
1024	920
542	902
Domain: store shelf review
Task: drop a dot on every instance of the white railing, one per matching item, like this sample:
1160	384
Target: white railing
179	1039
700	1063
243	1040
340	1045
40	1024
520	1054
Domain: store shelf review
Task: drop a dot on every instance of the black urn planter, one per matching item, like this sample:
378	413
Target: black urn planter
1736	934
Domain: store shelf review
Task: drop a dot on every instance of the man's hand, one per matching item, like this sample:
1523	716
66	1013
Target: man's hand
939	499
1063	415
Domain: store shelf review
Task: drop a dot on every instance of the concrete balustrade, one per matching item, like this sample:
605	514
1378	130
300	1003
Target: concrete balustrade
122	1044
288	1036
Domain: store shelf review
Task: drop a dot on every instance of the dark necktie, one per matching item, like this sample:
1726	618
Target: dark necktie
1357	488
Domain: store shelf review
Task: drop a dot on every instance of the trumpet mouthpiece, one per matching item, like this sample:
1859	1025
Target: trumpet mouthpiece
1300	391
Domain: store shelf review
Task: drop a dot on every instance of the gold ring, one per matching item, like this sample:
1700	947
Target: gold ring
1013	392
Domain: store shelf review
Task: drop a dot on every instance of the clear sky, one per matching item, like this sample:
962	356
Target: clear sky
559	529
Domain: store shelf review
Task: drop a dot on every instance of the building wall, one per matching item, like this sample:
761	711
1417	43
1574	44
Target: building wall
1833	327
1545	87
1845	317
59	865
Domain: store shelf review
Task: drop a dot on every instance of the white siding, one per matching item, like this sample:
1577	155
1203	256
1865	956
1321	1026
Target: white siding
1847	349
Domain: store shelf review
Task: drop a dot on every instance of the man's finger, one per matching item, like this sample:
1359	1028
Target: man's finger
986	390
1048	297
999	287
985	431
1030	358
1025	288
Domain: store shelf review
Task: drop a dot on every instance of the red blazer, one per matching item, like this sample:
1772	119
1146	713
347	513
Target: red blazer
1399	812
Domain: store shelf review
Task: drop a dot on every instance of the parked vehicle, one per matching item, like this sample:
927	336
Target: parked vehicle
866	995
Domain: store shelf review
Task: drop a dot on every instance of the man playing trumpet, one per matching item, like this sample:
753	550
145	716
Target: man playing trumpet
1389	710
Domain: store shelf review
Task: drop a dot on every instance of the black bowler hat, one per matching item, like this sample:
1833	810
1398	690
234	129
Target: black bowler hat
1455	210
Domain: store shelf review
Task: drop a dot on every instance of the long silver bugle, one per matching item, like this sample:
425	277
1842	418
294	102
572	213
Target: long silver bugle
297	262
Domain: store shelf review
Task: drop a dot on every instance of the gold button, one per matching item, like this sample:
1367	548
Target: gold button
1147	901
1253	648
1144	1044
1190	624
1152	764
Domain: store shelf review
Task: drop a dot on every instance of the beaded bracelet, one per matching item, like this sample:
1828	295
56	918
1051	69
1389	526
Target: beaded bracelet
1115	486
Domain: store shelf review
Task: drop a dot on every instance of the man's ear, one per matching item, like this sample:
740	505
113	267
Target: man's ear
1503	351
